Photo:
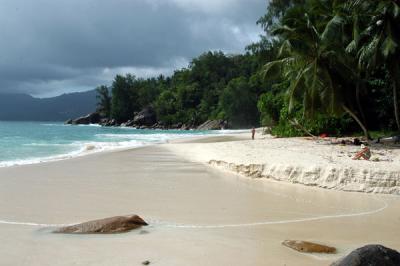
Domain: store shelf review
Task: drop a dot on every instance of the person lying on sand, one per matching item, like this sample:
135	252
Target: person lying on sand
355	141
365	153
393	139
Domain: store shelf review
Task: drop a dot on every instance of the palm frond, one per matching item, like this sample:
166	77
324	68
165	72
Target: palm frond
285	48
275	68
368	53
353	4
389	46
332	30
351	47
329	94
282	29
396	10
313	31
356	29
296	85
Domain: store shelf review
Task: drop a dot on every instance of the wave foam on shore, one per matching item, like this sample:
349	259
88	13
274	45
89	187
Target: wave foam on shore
103	142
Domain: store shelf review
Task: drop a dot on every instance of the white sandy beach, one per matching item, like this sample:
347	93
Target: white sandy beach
301	160
198	215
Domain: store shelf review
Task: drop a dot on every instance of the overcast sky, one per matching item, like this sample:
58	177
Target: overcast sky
49	47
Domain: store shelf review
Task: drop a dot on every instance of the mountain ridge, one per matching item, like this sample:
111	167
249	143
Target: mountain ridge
24	107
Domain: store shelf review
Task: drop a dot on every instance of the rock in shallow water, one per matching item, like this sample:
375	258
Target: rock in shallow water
212	125
112	225
92	118
308	247
371	255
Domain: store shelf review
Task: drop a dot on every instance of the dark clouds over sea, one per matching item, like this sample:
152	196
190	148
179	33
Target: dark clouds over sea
49	47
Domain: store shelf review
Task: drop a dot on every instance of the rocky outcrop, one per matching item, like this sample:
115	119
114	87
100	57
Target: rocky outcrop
213	125
371	255
112	225
308	247
129	123
108	122
93	118
146	117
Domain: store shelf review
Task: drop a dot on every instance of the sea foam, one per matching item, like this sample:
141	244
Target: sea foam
24	143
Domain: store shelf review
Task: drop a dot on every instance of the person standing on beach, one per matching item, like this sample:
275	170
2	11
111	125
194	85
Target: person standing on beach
253	132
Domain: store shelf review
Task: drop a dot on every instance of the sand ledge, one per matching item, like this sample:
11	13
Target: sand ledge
301	161
346	179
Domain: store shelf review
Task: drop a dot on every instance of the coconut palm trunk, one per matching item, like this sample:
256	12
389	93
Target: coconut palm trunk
360	86
396	106
394	73
354	116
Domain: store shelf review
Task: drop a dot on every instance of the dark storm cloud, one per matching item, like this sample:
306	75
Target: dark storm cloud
52	46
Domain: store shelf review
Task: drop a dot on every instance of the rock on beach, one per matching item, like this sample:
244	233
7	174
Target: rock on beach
371	255
308	247
112	225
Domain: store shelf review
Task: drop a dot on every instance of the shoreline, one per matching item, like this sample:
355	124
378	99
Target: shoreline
215	151
90	149
212	150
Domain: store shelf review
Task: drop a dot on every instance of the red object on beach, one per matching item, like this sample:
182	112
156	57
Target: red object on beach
323	135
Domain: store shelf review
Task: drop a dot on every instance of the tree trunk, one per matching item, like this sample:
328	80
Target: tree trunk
394	72
396	106
353	115
359	84
296	123
396	82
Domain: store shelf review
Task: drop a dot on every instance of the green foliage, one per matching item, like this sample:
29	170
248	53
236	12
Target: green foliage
326	65
270	106
165	106
213	86
275	11
103	100
148	91
328	50
380	101
320	124
239	103
124	98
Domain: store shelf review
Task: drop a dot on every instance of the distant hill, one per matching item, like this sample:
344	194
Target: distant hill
23	107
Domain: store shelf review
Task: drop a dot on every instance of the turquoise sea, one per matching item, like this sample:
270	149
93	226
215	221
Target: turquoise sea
34	142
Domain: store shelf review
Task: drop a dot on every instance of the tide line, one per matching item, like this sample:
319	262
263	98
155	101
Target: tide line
32	224
157	223
309	219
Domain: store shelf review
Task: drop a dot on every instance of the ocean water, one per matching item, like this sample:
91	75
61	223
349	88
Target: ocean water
34	142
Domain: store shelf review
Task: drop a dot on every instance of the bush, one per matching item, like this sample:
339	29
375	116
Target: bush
320	123
270	106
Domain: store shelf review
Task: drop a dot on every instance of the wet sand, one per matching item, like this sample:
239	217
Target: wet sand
198	215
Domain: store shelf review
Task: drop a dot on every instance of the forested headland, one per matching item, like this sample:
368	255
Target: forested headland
321	66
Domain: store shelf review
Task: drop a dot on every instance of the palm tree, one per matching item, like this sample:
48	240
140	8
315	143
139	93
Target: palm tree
378	43
103	100
312	59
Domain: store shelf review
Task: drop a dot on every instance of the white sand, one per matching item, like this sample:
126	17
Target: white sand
298	160
198	215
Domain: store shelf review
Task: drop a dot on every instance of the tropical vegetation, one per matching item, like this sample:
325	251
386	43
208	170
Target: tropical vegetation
322	66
